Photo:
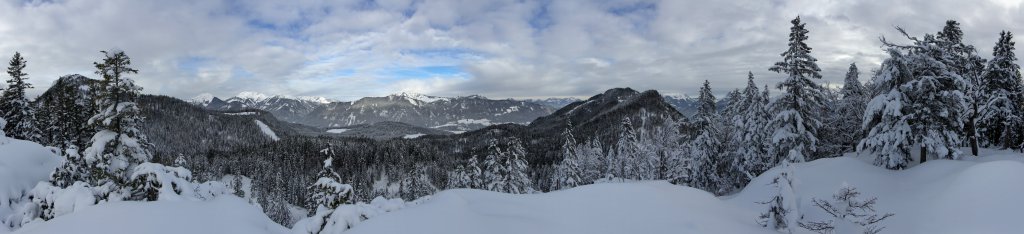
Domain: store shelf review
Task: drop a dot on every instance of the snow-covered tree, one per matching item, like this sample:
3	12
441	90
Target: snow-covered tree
964	60
71	169
751	135
706	148
917	102
118	144
1001	119
15	107
796	111
154	181
849	111
783	211
327	192
506	170
632	162
180	161
568	173
417	184
459	178
851	214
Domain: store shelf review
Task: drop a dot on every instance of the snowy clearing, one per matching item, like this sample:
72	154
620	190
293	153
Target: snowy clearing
266	130
413	136
337	130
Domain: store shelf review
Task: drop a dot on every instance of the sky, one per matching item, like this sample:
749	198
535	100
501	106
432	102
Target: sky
347	49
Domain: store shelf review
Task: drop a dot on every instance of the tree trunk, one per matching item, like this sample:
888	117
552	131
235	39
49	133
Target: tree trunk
924	154
972	131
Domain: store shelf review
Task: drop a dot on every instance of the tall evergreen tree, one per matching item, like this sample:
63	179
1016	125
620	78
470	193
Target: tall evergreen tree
1001	120
118	144
632	162
568	173
964	60
849	111
796	119
327	192
706	148
15	107
507	171
751	137
917	102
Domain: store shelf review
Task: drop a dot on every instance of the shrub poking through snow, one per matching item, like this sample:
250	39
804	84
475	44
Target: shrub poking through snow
851	214
152	181
783	211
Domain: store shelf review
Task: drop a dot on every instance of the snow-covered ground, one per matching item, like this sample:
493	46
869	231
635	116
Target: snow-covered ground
337	130
266	130
221	216
413	136
22	165
974	195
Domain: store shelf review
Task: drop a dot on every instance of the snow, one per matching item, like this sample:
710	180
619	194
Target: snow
416	98
242	113
973	195
203	99
337	130
254	96
22	165
222	215
413	136
266	130
650	207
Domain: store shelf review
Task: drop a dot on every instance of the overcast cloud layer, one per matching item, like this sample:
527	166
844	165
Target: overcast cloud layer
514	48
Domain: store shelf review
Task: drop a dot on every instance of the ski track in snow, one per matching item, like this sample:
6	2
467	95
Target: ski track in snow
266	130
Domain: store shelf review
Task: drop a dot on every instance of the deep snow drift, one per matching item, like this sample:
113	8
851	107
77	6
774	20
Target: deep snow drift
22	165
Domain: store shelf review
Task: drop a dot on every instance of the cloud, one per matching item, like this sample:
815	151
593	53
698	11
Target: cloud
501	48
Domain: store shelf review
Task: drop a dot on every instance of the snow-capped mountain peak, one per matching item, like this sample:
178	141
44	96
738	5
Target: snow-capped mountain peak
202	99
254	96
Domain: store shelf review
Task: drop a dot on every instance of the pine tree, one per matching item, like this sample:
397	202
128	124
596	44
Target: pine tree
705	149
15	107
70	170
180	161
327	192
751	137
630	159
568	173
118	144
494	172
1000	122
796	119
964	60
518	178
417	184
474	173
917	101
849	111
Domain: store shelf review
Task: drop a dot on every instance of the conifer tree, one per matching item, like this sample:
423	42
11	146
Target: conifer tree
917	102
751	137
1001	119
964	60
849	111
15	107
327	192
118	144
417	184
629	153
783	211
568	173
706	148
796	120
518	178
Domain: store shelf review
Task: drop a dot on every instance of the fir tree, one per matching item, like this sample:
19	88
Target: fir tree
917	102
327	192
630	160
751	137
964	60
118	144
705	151
418	184
568	173
15	107
518	178
849	111
180	161
796	119
1001	123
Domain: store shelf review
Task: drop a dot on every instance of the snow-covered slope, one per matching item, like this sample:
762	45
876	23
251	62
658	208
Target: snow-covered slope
650	208
975	195
224	215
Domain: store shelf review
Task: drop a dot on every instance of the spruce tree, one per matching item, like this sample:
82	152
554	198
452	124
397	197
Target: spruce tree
118	144
327	192
751	137
568	173
706	148
964	60
1001	120
15	107
850	111
417	184
628	151
518	178
796	110
918	101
